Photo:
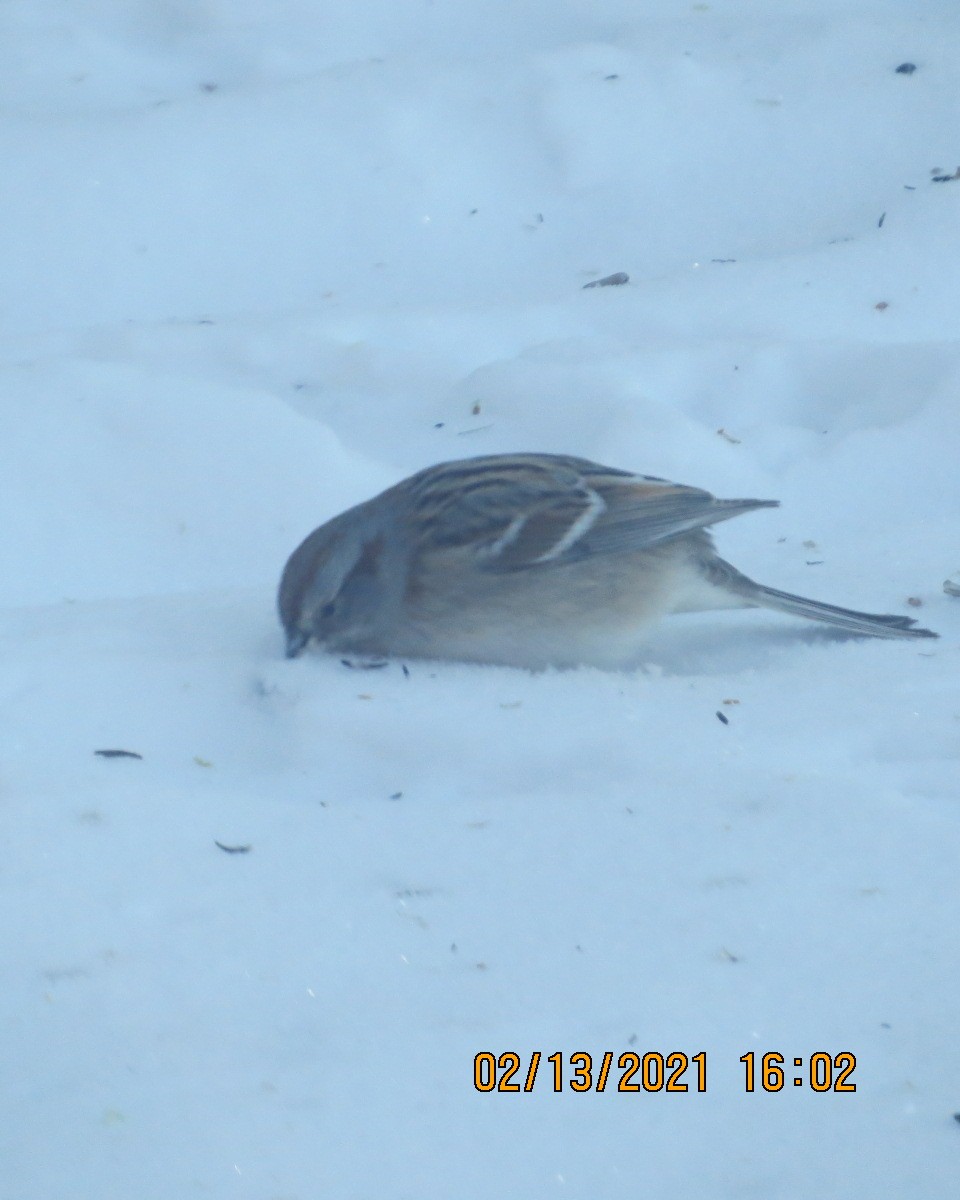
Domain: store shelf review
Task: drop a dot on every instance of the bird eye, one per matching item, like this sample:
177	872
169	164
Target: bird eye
328	610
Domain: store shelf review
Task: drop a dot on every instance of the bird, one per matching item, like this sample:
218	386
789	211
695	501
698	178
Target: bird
526	560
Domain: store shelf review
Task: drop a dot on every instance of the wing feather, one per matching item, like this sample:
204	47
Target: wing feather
644	514
521	511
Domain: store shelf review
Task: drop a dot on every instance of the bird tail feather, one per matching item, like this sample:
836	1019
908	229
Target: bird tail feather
884	625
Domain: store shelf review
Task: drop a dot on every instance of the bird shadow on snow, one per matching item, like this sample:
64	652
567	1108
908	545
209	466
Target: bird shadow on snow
685	646
724	643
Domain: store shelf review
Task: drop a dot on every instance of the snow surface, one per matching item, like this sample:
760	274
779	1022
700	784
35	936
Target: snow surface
260	261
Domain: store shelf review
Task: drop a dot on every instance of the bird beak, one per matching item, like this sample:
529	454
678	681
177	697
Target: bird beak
296	640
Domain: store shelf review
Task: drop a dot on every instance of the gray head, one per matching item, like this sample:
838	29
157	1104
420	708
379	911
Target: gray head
335	587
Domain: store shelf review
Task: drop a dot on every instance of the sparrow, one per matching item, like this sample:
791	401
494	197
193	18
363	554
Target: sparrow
528	560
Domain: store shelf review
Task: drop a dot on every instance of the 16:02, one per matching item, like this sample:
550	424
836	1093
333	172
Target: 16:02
821	1073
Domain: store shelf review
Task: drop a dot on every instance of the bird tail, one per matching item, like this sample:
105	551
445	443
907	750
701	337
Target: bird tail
870	624
882	625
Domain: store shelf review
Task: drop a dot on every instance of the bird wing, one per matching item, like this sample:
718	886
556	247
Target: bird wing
644	512
521	511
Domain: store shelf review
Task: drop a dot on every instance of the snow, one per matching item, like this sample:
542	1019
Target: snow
261	262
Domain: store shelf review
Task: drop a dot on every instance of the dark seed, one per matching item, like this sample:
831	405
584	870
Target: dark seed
615	280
